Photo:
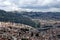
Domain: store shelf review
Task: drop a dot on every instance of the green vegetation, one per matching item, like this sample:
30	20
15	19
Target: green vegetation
15	17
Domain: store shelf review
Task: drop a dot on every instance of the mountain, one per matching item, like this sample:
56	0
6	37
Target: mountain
26	17
43	15
15	17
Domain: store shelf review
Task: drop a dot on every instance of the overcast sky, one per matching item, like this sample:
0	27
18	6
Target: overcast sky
30	5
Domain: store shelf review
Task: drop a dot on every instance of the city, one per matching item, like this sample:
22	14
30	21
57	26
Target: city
29	19
8	31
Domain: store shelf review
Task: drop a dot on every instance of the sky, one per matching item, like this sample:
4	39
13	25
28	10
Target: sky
30	5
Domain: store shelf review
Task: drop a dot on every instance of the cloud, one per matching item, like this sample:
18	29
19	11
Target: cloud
30	5
8	5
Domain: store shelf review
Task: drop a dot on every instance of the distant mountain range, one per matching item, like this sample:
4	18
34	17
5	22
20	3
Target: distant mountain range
43	15
26	17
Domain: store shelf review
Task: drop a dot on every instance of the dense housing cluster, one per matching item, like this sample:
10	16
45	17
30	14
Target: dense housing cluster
18	32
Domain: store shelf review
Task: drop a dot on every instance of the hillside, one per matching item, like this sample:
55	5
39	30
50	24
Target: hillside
15	17
43	15
26	17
